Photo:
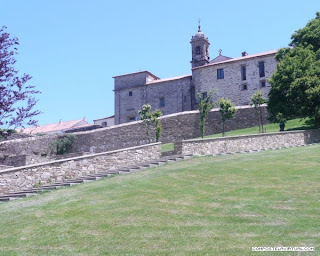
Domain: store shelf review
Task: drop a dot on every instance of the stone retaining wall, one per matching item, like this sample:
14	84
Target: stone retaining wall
176	127
19	178
247	142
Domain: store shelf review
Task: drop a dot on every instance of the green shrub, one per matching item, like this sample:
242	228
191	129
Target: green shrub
61	145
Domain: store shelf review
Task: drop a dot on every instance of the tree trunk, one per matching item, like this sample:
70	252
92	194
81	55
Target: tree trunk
261	119
222	128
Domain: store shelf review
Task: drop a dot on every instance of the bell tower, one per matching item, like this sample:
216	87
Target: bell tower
200	49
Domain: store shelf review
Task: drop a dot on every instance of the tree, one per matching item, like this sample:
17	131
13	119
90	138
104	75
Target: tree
155	120
295	85
17	101
150	118
227	111
257	100
205	105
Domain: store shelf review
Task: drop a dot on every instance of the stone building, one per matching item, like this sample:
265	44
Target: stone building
233	78
104	122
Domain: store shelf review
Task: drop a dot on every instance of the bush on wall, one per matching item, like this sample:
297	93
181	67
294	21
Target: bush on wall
61	145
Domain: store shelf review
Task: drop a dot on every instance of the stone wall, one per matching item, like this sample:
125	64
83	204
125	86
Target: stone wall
20	178
176	127
36	145
247	142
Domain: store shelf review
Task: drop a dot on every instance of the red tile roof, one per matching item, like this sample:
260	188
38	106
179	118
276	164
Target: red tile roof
56	127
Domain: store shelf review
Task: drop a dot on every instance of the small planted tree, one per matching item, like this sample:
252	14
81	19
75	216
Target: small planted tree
257	100
150	118
227	111
155	120
205	105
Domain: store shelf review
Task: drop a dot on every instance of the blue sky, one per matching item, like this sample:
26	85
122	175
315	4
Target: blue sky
73	48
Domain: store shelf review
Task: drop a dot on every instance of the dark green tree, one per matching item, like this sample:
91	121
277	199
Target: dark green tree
295	85
205	105
227	111
257	100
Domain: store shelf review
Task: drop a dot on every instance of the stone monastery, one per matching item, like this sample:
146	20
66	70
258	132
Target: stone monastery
234	78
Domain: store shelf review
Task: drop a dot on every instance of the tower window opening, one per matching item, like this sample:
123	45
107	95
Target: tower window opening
198	51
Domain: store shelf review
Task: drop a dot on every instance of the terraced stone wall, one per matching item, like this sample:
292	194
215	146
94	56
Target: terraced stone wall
176	127
247	142
20	178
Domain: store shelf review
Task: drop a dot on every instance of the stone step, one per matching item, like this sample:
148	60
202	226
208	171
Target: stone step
96	176
16	195
27	192
100	175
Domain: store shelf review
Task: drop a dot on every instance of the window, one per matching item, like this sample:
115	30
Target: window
261	69
185	98
198	51
162	102
220	73
130	93
262	84
243	73
244	87
104	124
132	118
204	95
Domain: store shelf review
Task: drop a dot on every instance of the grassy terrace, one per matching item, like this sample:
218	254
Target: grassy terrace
204	206
291	125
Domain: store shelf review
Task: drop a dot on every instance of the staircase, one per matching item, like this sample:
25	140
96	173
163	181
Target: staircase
94	176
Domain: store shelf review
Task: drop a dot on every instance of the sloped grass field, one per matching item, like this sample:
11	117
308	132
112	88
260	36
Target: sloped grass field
204	206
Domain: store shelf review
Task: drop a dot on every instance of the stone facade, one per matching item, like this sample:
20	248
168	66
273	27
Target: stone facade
20	178
247	142
168	95
236	79
233	85
176	127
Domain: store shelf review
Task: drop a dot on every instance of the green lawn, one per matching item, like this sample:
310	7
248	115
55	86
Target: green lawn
291	125
205	206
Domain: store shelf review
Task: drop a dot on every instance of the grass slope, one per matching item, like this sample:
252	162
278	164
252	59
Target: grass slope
205	206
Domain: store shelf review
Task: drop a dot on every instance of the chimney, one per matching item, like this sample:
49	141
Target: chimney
244	54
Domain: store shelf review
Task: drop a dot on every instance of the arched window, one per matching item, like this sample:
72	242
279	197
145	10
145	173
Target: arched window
198	50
